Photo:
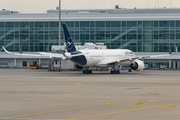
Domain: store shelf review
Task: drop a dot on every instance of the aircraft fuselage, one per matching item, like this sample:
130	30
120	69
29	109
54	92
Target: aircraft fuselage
99	58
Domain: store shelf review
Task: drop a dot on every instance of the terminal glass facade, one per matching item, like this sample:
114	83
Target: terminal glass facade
138	36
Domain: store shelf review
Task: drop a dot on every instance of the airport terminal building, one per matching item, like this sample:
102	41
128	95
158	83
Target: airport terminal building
144	31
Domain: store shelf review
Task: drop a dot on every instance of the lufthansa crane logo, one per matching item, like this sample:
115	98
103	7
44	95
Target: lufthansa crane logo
69	43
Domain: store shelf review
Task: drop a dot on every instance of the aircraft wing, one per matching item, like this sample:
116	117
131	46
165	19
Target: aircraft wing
122	60
50	55
133	58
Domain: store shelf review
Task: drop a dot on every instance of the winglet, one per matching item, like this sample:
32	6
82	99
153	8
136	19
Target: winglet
6	50
175	52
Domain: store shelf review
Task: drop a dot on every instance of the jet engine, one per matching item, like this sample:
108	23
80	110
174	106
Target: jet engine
64	59
138	65
79	67
67	55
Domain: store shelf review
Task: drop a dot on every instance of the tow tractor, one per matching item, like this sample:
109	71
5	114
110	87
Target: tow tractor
34	65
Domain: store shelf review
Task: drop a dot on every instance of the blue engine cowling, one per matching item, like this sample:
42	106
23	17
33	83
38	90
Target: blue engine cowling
79	67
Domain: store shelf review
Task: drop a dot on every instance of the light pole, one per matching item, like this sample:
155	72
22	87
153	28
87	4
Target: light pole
59	22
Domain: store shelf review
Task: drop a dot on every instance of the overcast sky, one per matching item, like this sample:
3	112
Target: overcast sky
41	6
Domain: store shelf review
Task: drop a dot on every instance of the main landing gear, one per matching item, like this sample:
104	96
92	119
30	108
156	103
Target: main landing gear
115	72
115	69
87	71
129	70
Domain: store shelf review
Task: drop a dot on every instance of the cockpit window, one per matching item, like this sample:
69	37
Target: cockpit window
129	53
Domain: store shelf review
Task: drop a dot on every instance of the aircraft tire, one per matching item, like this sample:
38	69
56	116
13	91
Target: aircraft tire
87	71
112	72
129	70
115	72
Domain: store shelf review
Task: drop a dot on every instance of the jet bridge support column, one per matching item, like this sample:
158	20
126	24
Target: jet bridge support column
178	65
169	63
39	60
14	62
51	64
174	64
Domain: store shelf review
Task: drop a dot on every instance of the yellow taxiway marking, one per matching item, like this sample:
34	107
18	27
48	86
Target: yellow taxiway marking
48	84
137	103
164	91
105	114
169	106
116	112
153	100
18	98
77	108
79	84
140	106
110	103
73	99
51	111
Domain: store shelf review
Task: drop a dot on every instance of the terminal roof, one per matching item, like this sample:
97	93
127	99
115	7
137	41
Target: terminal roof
97	15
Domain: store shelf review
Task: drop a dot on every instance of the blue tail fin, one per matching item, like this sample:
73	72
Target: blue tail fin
69	43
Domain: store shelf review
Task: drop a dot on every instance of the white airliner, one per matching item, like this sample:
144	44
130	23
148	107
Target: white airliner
86	59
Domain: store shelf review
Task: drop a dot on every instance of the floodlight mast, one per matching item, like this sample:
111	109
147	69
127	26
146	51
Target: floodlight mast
59	22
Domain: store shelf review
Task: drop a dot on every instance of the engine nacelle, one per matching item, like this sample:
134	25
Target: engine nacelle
138	65
79	67
67	55
64	59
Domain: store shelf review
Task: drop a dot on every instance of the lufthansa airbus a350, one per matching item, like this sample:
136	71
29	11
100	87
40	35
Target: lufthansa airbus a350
88	58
